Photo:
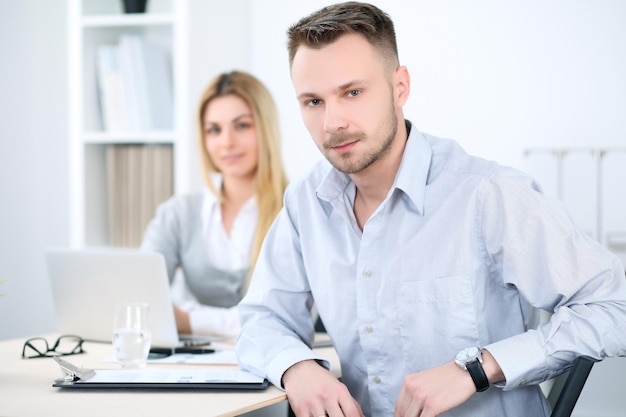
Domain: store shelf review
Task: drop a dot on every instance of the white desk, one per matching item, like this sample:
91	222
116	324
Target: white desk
26	390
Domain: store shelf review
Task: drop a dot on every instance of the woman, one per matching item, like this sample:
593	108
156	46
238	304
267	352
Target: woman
215	236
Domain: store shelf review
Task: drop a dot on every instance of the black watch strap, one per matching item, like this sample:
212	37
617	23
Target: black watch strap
476	371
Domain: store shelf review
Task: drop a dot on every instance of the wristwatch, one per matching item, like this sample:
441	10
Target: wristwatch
470	359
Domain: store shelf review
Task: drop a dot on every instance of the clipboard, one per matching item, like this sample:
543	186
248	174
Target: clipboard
179	378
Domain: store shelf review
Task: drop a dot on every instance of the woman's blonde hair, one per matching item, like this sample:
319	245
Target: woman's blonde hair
271	179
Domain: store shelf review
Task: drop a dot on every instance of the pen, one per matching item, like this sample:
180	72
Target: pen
194	351
161	351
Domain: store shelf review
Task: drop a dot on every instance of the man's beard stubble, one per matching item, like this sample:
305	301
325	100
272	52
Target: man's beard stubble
344	163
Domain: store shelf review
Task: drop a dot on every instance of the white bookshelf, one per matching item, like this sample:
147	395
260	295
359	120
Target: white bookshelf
91	23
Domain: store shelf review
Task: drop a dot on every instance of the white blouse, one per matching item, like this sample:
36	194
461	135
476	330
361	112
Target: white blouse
229	252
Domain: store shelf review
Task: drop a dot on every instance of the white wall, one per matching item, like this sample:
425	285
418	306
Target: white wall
33	161
218	42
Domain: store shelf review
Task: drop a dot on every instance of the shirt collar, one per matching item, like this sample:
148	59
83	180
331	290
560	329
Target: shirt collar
411	177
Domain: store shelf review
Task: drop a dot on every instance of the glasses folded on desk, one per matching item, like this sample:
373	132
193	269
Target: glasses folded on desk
38	347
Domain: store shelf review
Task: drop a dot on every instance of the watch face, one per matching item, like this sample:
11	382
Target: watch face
467	354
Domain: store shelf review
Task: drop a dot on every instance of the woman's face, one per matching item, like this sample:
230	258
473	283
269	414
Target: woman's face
230	137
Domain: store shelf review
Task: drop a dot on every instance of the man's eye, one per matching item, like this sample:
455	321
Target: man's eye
354	93
313	102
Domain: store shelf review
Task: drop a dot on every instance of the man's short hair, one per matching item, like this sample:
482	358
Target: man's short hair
328	24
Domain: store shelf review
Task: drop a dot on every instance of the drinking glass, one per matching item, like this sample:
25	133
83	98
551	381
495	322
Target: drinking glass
131	334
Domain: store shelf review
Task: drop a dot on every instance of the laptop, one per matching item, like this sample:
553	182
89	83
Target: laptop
87	284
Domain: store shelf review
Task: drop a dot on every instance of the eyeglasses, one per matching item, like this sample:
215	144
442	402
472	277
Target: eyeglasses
37	347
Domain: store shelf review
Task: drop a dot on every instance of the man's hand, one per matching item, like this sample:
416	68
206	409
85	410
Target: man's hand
314	391
434	391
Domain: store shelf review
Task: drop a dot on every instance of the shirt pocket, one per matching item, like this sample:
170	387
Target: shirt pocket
437	318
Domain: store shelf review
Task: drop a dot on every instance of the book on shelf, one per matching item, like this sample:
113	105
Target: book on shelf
134	85
139	178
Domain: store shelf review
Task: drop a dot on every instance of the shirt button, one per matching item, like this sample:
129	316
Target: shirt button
367	273
523	383
376	380
368	329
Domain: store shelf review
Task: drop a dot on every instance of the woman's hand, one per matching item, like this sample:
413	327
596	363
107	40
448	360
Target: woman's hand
183	323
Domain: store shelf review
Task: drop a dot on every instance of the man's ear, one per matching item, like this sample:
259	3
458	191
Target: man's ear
402	85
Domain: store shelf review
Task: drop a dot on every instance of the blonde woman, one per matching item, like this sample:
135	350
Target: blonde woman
215	236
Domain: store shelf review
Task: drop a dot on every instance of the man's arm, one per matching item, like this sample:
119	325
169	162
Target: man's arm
277	326
534	247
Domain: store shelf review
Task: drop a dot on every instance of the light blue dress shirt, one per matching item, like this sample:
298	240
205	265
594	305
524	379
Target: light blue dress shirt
455	256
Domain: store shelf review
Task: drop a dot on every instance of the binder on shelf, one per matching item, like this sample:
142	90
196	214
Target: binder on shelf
139	178
135	85
154	87
130	74
111	90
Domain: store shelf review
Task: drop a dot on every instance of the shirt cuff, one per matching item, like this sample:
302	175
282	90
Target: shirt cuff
521	359
279	365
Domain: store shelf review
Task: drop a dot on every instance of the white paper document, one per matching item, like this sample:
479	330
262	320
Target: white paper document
174	376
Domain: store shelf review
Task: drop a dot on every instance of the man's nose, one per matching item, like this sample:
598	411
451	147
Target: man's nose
334	118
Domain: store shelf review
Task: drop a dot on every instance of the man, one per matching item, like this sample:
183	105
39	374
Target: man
423	262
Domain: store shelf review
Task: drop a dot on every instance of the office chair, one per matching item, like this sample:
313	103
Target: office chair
319	325
568	386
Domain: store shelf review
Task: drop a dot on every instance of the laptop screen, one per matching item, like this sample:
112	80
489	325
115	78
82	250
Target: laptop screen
87	284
